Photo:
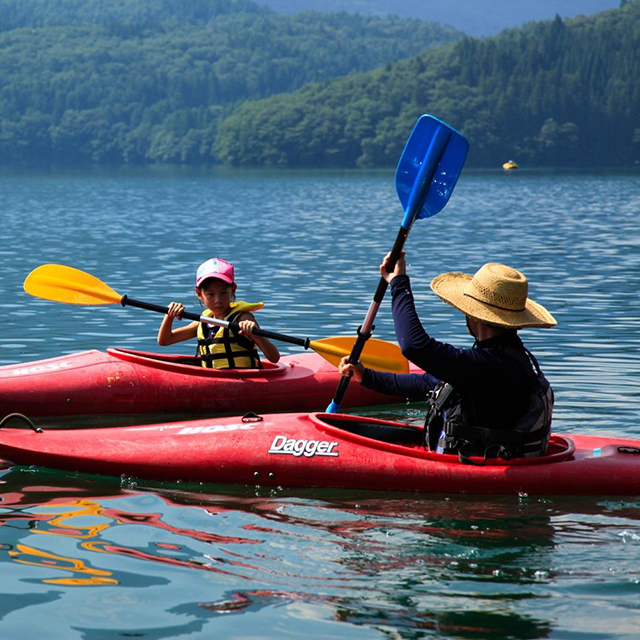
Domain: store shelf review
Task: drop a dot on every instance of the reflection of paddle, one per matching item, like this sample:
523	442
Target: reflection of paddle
426	175
66	284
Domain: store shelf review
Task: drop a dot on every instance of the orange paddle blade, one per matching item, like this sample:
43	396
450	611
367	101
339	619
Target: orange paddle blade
65	284
377	354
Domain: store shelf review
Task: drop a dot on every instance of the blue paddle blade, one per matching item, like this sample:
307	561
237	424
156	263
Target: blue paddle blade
429	168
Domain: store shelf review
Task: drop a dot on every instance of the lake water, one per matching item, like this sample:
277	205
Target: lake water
96	558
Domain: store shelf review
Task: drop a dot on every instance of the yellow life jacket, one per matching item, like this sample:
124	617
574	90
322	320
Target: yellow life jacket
221	348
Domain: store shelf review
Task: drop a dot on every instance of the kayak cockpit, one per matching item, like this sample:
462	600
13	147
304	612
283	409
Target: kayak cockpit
379	430
408	439
373	429
191	364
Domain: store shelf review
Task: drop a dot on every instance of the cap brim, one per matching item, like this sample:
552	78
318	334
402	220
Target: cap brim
217	276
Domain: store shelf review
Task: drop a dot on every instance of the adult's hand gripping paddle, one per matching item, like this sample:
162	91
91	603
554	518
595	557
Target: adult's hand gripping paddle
73	286
427	172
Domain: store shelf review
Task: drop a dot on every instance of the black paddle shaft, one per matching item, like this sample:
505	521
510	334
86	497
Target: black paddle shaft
364	333
234	326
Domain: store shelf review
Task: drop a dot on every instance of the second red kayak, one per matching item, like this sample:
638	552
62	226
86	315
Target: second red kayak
121	381
323	450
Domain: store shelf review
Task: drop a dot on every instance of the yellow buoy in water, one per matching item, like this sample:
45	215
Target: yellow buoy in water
508	166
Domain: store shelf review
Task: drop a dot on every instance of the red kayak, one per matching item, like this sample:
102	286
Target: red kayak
121	381
323	450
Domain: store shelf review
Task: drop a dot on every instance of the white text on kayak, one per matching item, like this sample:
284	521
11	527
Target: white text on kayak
307	448
42	368
214	428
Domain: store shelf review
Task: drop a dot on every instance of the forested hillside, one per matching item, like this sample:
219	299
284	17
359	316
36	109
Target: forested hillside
474	17
551	93
149	80
121	15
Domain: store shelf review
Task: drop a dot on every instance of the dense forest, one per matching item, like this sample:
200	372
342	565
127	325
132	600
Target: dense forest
550	93
474	17
122	15
143	81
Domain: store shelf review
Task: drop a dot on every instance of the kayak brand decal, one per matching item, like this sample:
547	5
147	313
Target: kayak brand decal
214	428
42	368
307	448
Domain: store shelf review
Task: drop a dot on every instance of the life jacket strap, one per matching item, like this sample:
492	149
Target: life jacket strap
491	436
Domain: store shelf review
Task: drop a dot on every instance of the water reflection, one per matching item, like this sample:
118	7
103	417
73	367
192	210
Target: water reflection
403	565
25	554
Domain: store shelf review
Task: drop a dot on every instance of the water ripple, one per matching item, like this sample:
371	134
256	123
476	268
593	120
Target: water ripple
90	558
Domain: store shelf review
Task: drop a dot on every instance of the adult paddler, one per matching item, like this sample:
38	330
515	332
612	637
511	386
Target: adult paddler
488	400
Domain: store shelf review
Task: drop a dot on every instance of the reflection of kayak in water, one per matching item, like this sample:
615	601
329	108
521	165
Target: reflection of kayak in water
122	381
510	165
323	450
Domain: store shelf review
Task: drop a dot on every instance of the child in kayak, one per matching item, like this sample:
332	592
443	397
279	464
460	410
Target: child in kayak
220	347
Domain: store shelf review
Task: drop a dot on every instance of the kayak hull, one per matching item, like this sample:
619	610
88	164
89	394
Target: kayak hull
127	382
323	450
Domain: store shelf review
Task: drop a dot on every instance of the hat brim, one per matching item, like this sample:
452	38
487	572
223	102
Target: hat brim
450	287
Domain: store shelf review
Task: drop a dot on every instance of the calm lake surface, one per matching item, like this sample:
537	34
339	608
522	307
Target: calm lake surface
96	558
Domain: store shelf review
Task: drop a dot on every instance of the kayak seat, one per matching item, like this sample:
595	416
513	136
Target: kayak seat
188	360
392	434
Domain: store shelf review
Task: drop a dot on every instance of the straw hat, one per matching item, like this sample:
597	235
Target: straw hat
495	295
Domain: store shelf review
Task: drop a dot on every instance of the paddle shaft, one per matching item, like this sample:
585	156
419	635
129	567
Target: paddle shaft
234	326
419	191
364	333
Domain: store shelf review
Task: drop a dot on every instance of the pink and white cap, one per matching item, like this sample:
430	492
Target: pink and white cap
215	268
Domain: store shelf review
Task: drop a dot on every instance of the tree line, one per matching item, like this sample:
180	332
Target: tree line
141	81
550	93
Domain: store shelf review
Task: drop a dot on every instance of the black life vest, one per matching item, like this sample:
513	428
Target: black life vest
448	429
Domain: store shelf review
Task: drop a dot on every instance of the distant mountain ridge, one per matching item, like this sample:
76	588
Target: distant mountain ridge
474	17
149	80
551	93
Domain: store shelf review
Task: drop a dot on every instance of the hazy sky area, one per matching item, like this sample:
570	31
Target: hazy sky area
474	17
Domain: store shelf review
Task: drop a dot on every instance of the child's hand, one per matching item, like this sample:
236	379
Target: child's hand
346	368
247	327
175	310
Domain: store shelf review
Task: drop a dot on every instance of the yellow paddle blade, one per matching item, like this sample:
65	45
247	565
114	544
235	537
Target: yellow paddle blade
66	284
377	354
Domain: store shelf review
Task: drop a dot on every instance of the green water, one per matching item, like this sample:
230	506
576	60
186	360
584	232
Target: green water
92	558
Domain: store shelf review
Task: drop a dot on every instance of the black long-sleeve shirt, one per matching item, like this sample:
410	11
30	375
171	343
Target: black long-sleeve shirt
495	384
